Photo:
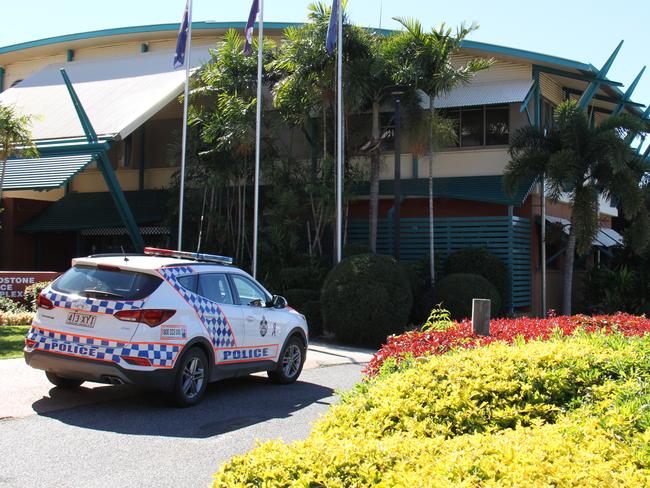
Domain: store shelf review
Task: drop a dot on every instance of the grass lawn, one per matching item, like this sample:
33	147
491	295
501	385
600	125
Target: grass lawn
12	340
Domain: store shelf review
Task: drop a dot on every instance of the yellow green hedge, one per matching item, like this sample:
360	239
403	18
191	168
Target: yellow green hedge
569	412
16	318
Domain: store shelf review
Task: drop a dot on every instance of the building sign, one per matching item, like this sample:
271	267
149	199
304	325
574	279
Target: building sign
13	283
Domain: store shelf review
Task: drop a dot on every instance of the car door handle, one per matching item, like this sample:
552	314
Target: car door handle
250	318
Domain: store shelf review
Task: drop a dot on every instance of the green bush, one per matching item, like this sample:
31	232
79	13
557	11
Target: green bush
32	292
307	303
478	260
456	292
365	298
354	249
418	273
567	412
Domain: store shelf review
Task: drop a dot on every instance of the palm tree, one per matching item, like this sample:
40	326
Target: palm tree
582	160
423	60
15	139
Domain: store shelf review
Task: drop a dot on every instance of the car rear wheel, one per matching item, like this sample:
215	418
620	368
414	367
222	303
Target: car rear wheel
191	378
64	383
290	364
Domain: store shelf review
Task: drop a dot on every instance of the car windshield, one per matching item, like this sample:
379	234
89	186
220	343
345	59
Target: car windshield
111	284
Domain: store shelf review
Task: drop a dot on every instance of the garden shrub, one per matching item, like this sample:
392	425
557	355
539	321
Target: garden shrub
32	292
365	298
418	274
568	412
9	305
306	302
354	249
478	260
416	344
16	318
455	292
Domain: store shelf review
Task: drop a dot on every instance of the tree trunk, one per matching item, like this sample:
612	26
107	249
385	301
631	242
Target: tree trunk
375	163
569	257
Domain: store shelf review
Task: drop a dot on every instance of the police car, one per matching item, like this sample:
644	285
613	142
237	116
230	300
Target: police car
168	319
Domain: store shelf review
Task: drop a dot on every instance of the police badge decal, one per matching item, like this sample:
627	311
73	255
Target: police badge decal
264	326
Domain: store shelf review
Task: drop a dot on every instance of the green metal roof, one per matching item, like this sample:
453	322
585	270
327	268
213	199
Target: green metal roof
486	189
80	211
44	173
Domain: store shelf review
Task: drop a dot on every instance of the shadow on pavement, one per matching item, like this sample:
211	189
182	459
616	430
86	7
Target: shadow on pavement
227	406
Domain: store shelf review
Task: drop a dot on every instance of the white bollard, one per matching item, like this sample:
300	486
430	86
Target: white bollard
481	316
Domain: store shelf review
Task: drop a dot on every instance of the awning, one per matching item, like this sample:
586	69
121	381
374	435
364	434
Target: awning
81	211
604	237
43	173
487	189
118	94
487	93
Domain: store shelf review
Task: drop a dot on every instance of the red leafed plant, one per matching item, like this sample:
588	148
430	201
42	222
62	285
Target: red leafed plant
416	344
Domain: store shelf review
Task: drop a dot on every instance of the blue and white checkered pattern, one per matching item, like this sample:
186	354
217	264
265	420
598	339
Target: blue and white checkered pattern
93	305
209	312
160	355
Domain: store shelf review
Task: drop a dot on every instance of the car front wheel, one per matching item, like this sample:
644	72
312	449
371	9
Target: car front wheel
290	364
191	378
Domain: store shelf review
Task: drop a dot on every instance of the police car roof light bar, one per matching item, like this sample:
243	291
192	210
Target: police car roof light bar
211	258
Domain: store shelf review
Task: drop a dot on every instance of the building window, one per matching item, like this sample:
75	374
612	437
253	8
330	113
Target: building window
488	125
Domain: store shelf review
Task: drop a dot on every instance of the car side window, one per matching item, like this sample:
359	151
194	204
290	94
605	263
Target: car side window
189	282
248	291
215	287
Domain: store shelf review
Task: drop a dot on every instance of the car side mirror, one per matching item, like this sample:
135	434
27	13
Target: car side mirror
278	302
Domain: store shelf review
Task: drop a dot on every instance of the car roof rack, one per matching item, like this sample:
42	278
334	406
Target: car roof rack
195	256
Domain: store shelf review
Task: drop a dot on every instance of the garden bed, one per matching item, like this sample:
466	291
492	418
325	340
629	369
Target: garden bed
569	411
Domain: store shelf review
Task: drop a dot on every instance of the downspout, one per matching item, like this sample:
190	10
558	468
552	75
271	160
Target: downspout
2	79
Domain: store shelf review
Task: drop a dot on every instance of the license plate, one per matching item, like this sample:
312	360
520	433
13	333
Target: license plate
81	319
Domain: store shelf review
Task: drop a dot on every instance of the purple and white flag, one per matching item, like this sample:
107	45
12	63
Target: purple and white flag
248	33
179	57
332	28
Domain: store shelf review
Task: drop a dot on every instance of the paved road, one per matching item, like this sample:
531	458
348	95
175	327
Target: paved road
139	440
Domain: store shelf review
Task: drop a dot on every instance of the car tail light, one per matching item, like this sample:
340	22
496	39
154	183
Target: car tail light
151	317
136	361
30	342
43	302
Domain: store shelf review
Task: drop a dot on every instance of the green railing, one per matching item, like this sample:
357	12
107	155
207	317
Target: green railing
509	238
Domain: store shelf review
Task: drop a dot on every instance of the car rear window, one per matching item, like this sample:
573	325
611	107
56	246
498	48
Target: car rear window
108	284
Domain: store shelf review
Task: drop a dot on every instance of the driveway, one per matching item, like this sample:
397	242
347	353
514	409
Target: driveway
120	436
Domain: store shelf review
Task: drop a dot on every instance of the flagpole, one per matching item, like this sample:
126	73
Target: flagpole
258	130
339	135
188	50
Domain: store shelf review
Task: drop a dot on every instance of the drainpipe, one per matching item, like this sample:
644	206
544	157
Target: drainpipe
2	79
542	204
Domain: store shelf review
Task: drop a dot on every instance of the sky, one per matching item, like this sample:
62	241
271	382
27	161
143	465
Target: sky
583	30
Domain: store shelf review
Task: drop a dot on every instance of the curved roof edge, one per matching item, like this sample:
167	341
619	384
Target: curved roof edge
203	25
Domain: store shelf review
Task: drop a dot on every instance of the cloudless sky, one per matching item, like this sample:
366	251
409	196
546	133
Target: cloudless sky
583	30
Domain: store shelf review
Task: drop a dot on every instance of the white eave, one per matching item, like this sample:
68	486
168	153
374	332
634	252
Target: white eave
119	95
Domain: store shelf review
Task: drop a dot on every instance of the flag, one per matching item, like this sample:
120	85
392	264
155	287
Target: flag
179	57
332	28
248	33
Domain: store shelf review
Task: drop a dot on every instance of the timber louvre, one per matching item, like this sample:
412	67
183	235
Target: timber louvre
508	238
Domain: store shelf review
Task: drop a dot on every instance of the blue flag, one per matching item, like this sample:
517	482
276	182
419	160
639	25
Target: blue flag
248	33
332	28
179	57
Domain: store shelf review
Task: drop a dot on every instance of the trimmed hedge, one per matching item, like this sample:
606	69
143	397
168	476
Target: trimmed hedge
478	260
456	292
568	412
16	318
365	298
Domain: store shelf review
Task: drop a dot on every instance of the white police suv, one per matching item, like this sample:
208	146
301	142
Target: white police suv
168	319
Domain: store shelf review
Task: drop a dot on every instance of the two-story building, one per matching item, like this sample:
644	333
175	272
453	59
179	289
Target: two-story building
59	205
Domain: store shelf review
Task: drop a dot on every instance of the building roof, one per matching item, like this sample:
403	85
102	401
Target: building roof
118	94
486	93
81	211
44	173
